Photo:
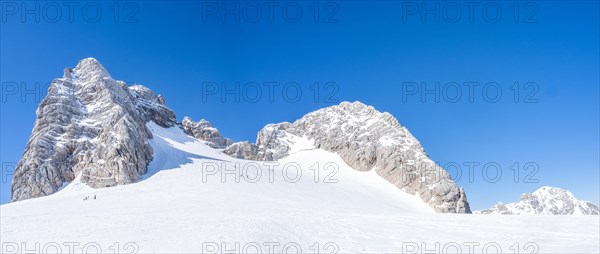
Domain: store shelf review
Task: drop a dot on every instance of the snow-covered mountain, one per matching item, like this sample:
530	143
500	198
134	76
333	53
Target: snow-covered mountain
108	168
90	125
366	139
94	125
196	199
545	200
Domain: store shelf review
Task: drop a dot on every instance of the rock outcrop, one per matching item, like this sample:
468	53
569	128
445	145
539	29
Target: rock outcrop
152	107
242	150
92	126
366	139
205	131
545	200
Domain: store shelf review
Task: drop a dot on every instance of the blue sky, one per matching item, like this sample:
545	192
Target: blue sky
365	51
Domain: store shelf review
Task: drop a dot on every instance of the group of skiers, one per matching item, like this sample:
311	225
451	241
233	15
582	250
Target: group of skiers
88	197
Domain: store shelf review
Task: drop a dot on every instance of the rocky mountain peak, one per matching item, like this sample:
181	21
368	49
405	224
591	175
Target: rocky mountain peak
365	139
547	191
90	68
360	112
91	126
545	200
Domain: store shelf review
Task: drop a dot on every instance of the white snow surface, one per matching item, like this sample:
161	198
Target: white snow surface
183	206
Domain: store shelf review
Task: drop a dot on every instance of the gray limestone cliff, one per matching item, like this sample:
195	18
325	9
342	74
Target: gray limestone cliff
205	131
365	139
91	126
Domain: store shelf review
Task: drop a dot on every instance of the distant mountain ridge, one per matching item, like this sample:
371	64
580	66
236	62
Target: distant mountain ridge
545	200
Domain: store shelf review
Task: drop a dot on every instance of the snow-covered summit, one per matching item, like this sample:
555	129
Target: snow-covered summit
88	68
545	200
367	140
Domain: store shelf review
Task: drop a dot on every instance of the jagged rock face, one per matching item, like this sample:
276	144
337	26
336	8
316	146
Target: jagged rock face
206	132
367	139
548	201
152	107
273	142
242	150
92	126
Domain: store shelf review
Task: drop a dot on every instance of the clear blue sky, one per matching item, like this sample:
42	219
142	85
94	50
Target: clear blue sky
370	53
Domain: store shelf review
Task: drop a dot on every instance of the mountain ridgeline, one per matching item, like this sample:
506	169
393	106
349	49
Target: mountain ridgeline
94	127
547	201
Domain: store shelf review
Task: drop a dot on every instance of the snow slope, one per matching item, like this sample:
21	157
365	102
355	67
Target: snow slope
184	205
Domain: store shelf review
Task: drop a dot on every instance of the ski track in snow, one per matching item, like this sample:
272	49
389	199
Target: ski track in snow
172	210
